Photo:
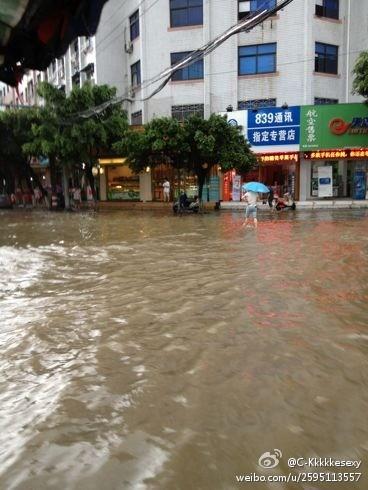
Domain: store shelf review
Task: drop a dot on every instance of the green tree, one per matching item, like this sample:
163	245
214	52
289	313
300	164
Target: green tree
197	145
15	131
162	141
360	84
71	131
215	142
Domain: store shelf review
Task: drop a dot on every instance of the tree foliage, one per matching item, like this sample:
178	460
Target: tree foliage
15	131
360	84
70	140
197	145
162	141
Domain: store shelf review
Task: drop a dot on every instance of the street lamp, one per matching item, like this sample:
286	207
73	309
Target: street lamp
94	171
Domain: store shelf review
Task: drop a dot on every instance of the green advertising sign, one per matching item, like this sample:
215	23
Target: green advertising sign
333	126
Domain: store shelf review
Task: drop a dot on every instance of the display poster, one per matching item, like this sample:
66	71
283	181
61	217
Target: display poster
325	181
359	185
236	187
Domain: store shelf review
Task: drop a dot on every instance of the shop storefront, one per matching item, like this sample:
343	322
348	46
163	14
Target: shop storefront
334	158
179	181
117	181
281	172
337	174
273	134
184	181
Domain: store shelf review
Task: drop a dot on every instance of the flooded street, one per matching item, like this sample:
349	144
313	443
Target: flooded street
146	351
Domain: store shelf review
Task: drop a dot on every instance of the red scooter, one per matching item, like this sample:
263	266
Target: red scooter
287	203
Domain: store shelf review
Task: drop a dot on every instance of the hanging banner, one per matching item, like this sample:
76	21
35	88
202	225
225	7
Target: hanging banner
325	181
236	187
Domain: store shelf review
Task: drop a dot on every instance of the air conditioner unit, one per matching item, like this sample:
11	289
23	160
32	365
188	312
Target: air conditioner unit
128	47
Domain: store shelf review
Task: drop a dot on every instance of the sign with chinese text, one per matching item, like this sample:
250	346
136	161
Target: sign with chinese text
278	158
360	154
274	127
333	126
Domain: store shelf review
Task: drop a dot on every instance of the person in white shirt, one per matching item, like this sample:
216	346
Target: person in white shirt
251	199
166	186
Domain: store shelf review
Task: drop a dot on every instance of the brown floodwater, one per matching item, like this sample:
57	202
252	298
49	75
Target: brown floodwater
146	351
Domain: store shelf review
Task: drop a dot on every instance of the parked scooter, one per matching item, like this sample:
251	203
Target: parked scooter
287	203
186	205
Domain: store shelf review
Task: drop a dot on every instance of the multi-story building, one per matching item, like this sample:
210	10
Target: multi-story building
303	55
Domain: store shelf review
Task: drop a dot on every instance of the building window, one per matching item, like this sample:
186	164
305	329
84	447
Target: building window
135	71
256	104
182	112
246	7
324	101
326	58
327	8
76	80
186	13
191	72
134	25
136	118
259	58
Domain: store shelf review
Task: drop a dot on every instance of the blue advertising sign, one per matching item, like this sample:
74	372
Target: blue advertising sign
274	126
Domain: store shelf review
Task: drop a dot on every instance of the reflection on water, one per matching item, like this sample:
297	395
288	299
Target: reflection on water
150	351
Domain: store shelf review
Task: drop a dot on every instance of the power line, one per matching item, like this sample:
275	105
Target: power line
244	25
306	60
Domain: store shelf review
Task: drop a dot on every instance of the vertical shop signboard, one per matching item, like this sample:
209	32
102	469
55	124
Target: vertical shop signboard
236	187
325	181
274	129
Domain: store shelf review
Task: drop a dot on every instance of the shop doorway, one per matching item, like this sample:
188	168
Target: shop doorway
283	178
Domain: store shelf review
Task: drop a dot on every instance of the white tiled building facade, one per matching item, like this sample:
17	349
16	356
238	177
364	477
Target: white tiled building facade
231	75
271	65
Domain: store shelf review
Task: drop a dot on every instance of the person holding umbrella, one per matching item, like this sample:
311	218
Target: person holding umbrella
251	197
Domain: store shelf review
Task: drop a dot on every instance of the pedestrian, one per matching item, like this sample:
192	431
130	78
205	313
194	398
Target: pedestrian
77	197
270	196
37	196
166	187
251	199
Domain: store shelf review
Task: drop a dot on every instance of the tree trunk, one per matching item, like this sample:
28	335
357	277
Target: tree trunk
201	180
66	187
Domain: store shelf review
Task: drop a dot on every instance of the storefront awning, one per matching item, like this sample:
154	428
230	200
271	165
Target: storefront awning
112	161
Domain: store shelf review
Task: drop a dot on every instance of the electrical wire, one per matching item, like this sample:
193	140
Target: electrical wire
244	25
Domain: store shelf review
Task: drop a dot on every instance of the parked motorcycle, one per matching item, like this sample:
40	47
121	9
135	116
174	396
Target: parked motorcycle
186	205
287	203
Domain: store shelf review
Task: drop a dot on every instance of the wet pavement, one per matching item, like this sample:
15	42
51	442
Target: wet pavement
146	351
